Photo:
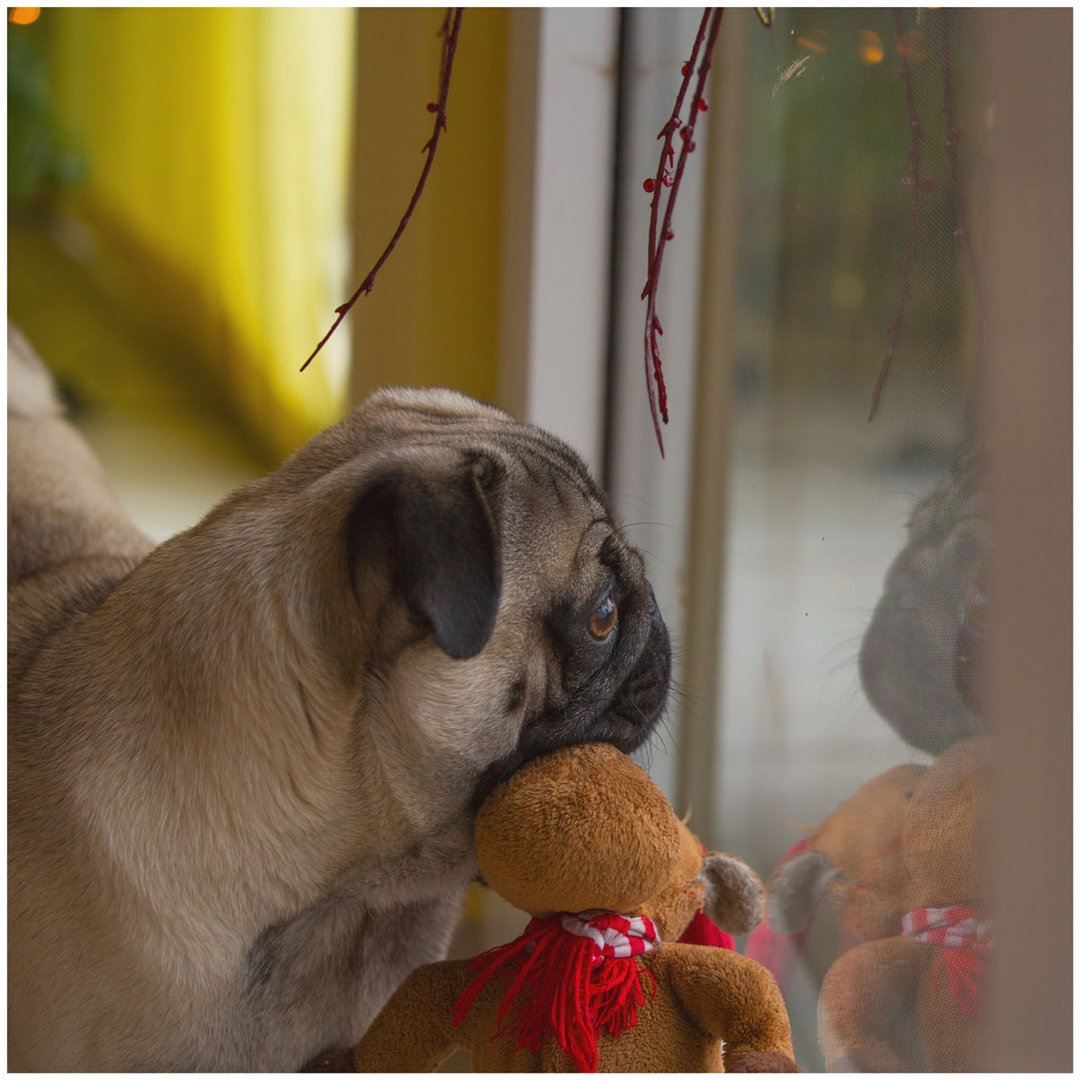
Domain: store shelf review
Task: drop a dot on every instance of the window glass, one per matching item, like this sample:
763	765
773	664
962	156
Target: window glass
849	691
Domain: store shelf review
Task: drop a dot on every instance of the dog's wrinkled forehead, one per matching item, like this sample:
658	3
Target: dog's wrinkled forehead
551	486
555	522
448	417
558	528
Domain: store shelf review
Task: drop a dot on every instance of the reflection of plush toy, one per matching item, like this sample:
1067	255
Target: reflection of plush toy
854	859
583	841
902	863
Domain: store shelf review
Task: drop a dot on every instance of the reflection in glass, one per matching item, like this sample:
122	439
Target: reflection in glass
852	757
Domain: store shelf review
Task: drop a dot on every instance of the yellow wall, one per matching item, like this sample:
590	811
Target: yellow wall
254	162
433	317
219	149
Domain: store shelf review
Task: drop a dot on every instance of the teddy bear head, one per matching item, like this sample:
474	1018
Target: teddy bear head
910	838
855	860
584	829
945	828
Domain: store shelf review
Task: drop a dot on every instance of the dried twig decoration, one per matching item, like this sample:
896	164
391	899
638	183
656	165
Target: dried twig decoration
918	187
952	146
660	231
449	34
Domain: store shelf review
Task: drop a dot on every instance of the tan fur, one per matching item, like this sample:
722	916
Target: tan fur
599	804
529	858
241	772
59	507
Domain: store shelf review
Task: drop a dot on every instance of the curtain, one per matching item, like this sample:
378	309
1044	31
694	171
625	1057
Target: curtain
219	157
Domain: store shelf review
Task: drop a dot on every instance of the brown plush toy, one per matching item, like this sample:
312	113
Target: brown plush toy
902	862
583	841
854	860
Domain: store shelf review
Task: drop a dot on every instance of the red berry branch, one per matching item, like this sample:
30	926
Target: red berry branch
918	187
660	230
952	145
449	34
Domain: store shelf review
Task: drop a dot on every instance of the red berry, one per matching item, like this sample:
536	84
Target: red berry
649	185
703	105
686	68
432	107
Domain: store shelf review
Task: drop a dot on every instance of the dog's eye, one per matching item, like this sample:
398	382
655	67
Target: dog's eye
604	619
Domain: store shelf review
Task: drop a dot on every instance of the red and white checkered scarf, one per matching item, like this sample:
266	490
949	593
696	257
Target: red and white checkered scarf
579	977
615	936
963	934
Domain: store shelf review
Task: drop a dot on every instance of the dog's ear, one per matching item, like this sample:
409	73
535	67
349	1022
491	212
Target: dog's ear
434	528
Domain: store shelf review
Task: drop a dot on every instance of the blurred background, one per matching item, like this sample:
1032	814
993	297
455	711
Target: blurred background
191	193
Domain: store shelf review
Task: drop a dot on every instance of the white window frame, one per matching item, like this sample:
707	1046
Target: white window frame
561	109
569	309
653	494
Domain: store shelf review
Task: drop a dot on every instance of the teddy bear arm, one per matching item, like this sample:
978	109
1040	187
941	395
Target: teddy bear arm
414	1032
866	994
734	998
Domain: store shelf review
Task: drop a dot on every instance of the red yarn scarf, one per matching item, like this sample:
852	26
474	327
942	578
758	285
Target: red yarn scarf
569	978
963	936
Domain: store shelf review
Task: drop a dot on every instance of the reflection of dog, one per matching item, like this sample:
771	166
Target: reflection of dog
244	765
922	655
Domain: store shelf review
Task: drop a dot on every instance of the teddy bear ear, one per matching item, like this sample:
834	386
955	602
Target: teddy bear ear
734	895
796	889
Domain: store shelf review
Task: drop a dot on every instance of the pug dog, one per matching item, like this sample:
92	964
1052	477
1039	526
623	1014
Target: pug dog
244	764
